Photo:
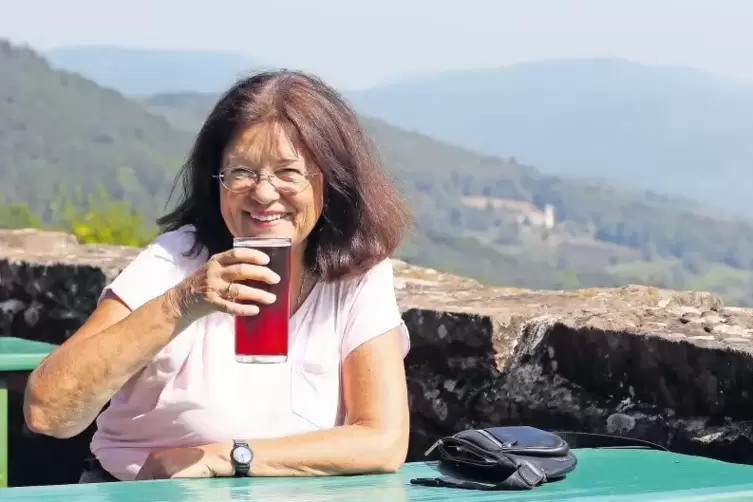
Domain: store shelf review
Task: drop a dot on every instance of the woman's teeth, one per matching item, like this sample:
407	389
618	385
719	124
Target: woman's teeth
266	218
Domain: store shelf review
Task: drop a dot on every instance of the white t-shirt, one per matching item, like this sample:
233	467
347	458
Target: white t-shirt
194	392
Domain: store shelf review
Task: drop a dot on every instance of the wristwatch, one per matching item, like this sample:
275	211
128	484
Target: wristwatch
241	457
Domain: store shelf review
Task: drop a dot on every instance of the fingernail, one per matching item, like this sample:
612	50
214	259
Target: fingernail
272	298
265	259
276	278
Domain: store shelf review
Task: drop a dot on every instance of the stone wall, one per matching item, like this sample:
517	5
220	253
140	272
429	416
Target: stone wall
672	367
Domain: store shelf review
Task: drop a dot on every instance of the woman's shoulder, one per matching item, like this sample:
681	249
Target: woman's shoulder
367	306
375	282
164	262
174	247
174	243
380	271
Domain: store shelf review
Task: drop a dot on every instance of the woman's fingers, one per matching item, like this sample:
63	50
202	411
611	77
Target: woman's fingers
246	272
234	308
241	255
243	293
227	282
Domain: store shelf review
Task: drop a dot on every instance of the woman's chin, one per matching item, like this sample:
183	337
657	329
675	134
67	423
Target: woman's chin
276	228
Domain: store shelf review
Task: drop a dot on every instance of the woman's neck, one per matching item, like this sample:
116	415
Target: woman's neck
297	260
300	278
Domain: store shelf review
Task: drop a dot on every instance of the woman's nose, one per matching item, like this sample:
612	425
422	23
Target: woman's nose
264	192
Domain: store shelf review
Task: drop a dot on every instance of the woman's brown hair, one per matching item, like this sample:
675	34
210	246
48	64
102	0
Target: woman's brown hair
363	218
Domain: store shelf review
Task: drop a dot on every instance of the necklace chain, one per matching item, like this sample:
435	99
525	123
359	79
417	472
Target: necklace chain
301	290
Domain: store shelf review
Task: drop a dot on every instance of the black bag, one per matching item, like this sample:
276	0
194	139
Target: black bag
512	458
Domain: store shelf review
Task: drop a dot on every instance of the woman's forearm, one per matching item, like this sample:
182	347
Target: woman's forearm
347	449
69	388
374	438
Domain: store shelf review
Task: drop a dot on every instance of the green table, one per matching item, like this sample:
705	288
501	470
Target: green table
618	474
18	357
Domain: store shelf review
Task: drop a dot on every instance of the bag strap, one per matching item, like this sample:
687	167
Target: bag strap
525	477
594	440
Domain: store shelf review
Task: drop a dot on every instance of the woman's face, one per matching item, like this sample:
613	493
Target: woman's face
262	210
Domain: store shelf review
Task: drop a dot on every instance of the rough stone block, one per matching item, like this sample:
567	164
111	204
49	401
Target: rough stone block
671	367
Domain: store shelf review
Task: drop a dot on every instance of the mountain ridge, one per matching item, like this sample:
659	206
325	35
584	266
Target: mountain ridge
136	71
675	130
668	128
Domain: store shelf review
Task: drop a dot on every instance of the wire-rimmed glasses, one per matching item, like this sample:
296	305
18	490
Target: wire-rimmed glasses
285	180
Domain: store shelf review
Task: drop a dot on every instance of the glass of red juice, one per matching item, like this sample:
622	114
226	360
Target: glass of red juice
263	338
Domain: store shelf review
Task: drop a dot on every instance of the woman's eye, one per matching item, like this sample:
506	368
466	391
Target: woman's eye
240	174
289	174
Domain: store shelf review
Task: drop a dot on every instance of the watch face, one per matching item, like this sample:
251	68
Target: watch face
242	455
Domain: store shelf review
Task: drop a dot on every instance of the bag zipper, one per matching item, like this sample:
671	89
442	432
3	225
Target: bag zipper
487	435
432	447
490	437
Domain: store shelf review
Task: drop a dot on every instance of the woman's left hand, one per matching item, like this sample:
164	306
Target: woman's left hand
189	462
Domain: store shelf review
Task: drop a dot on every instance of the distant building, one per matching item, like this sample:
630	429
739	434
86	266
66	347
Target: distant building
522	212
549	216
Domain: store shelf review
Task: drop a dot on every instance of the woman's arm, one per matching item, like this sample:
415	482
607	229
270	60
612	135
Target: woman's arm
374	438
68	389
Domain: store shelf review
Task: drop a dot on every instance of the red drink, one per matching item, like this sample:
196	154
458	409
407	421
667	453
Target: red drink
263	338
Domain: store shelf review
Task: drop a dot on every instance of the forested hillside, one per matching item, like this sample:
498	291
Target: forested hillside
482	216
666	128
58	129
656	225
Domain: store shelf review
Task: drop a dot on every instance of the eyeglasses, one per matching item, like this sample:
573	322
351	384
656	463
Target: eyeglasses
243	179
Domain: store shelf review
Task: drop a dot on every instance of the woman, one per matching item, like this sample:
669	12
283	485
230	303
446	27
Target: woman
280	155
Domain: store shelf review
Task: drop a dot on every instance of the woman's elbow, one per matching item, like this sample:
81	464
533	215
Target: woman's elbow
39	420
40	416
390	465
394	452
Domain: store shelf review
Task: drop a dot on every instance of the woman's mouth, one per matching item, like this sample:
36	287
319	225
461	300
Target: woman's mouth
267	219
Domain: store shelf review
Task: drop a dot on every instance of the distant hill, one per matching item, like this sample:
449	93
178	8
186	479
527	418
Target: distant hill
668	129
184	110
486	217
138	72
604	235
58	128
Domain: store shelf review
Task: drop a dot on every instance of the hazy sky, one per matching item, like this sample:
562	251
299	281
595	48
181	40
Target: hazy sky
354	43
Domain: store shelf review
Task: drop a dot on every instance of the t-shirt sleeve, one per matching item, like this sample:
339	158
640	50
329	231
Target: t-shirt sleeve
154	270
373	310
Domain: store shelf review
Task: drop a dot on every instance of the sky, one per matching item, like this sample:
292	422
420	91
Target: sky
355	44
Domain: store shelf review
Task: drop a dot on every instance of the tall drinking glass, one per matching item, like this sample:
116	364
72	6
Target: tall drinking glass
263	338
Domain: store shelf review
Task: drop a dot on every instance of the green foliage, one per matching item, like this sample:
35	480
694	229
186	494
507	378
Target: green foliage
97	218
92	218
17	215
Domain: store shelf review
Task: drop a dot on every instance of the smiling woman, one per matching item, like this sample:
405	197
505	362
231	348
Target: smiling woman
280	155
